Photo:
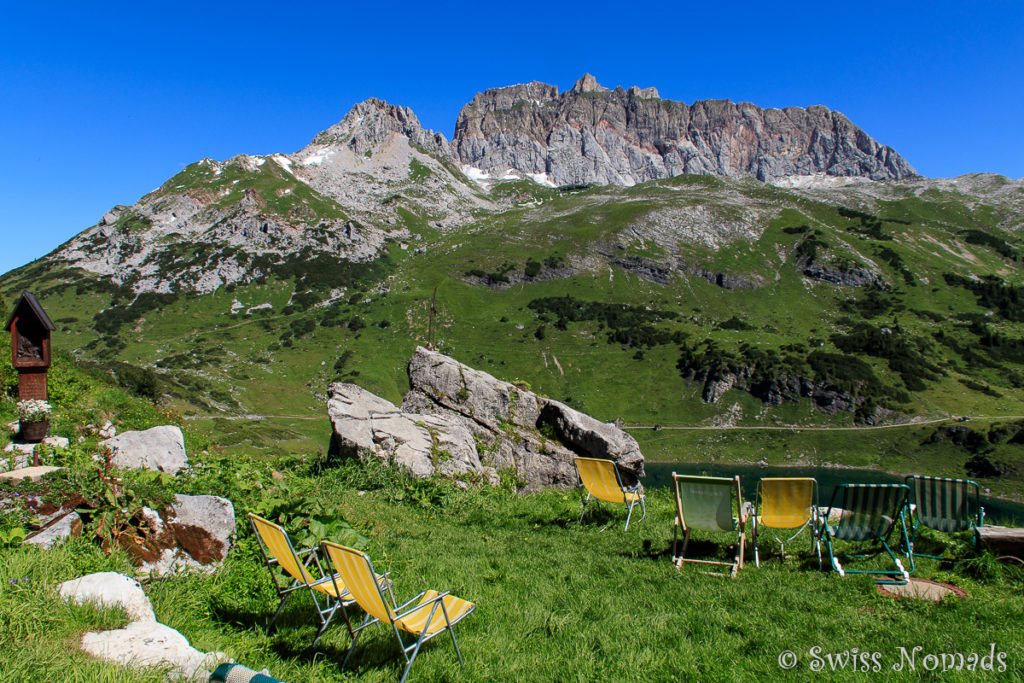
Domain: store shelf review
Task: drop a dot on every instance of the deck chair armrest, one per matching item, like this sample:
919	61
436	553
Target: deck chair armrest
398	610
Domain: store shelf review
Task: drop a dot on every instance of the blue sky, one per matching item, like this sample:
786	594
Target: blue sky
102	102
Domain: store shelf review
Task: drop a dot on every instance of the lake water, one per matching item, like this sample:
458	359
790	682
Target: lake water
660	474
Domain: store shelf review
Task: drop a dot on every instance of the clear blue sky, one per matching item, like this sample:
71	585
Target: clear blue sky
101	102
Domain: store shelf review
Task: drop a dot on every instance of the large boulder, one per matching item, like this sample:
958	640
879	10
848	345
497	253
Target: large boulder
366	424
459	421
161	449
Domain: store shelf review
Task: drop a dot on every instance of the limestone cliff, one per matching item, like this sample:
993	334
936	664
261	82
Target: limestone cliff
591	134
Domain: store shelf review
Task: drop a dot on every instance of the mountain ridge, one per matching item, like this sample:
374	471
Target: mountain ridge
591	134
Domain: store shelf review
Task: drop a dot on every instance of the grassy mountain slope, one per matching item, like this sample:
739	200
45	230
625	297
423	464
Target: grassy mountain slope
879	303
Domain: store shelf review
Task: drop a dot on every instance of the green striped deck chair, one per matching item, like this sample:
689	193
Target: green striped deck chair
947	505
870	512
236	673
711	504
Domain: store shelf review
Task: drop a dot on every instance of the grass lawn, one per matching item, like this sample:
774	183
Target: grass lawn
556	601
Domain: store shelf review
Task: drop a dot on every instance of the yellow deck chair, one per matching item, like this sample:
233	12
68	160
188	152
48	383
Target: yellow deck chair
711	504
787	503
428	614
278	551
601	479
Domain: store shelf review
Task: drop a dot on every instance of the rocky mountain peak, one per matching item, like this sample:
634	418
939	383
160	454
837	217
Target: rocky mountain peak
369	123
588	83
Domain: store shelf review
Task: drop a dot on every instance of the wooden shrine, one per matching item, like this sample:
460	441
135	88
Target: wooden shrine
30	330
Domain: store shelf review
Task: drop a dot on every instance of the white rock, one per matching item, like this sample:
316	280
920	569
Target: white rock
148	643
202	528
161	449
109	589
56	441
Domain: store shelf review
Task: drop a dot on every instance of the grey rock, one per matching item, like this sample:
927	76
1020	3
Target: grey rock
715	387
858	277
161	449
65	526
459	421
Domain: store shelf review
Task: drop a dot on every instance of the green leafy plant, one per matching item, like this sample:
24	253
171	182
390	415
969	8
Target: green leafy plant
307	521
12	537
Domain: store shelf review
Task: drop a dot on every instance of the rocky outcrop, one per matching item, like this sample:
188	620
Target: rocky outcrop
161	449
591	134
857	277
462	422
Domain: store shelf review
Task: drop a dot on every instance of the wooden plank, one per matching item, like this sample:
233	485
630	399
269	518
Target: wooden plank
1002	540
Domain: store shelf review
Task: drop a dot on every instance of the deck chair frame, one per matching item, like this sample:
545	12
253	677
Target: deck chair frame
630	496
396	613
811	522
740	520
325	613
929	488
850	498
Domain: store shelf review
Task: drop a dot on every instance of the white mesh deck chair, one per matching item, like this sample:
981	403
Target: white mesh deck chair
602	481
870	512
942	504
711	504
278	551
427	615
790	505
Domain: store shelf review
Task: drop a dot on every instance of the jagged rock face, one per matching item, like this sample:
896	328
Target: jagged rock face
369	123
465	423
593	135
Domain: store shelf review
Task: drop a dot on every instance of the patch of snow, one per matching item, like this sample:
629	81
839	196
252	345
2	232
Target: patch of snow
283	161
475	174
318	158
260	161
217	172
541	179
259	308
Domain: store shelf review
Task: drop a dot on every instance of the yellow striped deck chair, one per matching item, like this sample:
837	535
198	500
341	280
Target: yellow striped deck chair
601	480
711	504
788	504
428	614
278	551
